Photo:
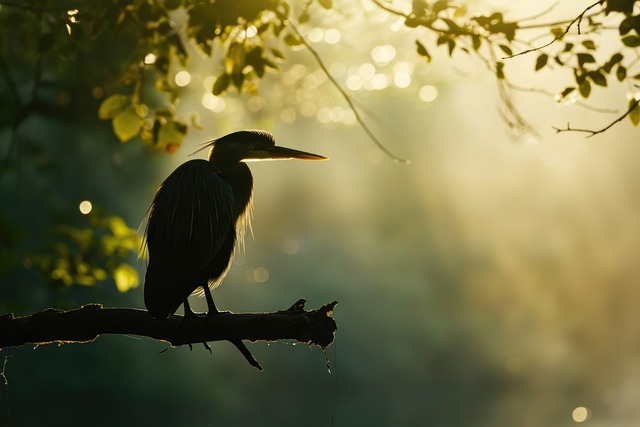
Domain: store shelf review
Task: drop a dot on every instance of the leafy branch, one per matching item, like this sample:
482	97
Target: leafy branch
85	324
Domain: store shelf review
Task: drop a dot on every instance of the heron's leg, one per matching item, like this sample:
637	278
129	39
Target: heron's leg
213	310
188	313
187	309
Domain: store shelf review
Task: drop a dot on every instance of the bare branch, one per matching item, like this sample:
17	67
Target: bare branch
348	99
577	19
85	324
604	129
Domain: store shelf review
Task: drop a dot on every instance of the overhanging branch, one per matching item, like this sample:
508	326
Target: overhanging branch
85	324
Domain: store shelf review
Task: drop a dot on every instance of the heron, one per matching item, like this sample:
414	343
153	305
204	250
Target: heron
198	217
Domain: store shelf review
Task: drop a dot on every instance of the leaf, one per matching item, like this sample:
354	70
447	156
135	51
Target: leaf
598	78
585	88
624	6
112	106
634	115
541	61
500	70
589	44
221	84
327	4
422	51
566	92
439	6
126	124
631	41
621	73
126	277
476	41
292	40
277	53
585	58
506	49
171	134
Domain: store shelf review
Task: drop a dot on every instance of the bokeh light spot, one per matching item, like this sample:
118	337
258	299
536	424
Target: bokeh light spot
260	274
580	414
428	93
290	246
182	78
85	207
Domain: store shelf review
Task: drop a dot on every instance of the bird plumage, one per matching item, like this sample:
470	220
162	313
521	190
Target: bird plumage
197	217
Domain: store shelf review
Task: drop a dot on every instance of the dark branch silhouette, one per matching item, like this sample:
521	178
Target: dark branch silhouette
592	132
85	324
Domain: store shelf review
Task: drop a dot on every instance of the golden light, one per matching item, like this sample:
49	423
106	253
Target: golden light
85	207
428	93
182	78
580	414
149	59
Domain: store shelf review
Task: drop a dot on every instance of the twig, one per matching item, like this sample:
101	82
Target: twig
348	99
592	132
85	324
577	19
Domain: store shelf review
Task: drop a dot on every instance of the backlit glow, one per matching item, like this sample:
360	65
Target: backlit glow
580	414
85	207
182	78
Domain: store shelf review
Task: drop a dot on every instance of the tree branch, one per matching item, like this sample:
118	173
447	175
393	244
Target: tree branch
577	19
591	132
85	324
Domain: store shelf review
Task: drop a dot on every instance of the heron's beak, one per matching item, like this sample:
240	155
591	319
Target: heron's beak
283	153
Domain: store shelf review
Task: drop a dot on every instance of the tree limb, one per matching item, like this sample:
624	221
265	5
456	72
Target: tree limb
85	324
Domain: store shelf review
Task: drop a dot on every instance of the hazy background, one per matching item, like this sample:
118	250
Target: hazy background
491	282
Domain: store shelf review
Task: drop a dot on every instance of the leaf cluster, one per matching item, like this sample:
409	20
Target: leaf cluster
89	254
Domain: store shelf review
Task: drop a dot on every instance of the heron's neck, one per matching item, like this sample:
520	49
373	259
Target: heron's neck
239	177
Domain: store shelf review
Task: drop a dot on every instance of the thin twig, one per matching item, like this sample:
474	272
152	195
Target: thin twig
348	99
592	132
577	19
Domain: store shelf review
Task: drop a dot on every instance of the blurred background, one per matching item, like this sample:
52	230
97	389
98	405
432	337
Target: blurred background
491	282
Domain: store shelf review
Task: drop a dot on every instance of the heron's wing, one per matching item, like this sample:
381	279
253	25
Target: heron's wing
190	216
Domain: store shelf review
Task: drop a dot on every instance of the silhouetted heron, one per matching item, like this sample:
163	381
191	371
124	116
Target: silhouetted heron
198	215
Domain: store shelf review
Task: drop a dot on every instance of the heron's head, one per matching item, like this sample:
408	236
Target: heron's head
253	145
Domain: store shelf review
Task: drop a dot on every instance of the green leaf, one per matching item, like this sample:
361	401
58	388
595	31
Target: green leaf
631	41
327	4
541	61
634	115
112	105
127	123
621	73
292	40
589	44
126	277
221	84
277	53
170	135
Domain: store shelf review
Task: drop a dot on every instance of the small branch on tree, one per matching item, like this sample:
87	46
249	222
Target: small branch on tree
85	324
592	132
348	99
577	19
